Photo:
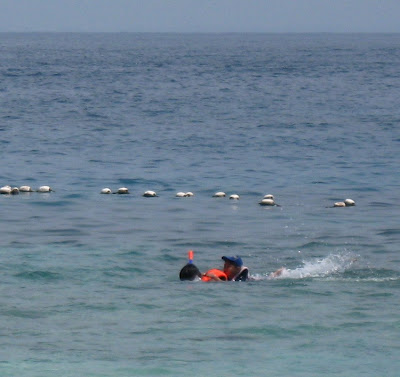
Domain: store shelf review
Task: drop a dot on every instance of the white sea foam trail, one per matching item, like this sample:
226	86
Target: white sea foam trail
332	264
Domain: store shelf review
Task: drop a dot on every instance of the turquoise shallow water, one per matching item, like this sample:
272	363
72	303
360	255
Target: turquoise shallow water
90	282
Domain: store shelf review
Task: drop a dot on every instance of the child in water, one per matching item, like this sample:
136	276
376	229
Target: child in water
189	272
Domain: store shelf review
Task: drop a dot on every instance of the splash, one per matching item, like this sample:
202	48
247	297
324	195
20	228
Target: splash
330	265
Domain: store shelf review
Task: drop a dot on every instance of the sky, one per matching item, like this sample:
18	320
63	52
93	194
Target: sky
200	15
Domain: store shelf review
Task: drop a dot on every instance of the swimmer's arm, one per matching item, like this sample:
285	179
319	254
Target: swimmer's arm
277	272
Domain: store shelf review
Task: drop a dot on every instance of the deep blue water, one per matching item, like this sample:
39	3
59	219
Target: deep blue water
89	282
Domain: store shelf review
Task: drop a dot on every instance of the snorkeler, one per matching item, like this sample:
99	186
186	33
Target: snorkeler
189	271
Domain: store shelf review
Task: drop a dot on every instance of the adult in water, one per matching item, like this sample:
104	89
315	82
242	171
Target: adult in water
233	269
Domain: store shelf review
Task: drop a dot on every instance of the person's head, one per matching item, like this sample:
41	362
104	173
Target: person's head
232	265
189	272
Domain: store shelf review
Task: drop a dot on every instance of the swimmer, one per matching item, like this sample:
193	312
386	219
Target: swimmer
233	270
189	272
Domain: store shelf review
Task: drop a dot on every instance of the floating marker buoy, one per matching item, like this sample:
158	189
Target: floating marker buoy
349	202
219	194
149	194
345	203
339	204
267	202
105	190
122	190
234	197
6	190
25	189
44	189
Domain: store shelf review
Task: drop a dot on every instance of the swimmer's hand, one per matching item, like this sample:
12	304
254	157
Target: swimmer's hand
277	272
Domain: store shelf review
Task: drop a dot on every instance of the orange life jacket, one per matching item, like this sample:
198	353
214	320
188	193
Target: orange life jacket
216	272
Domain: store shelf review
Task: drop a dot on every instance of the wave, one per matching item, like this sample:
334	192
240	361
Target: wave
39	275
377	275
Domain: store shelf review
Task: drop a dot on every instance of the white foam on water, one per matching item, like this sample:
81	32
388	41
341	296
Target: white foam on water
330	265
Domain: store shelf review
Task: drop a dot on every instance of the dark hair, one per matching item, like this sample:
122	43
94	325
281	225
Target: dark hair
189	272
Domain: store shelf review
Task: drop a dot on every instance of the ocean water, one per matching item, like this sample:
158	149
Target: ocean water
89	282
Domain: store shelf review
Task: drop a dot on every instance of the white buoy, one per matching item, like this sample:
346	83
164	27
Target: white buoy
219	194
25	189
189	194
15	191
149	194
122	190
5	190
44	189
345	203
105	190
180	194
269	196
349	202
234	197
339	204
267	202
